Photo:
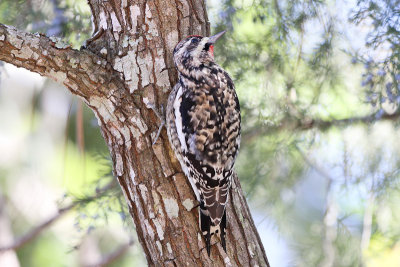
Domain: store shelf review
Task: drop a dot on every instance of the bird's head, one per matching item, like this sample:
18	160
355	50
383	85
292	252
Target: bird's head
195	50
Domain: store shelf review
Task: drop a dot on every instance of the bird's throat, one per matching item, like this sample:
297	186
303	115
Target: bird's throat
211	51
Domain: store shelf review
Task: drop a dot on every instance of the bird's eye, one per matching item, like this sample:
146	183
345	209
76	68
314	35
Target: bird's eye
195	41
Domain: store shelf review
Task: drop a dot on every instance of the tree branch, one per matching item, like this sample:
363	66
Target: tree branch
7	258
50	57
330	216
33	233
113	256
295	124
37	230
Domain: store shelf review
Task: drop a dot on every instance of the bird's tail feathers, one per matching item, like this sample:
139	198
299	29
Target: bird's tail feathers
208	228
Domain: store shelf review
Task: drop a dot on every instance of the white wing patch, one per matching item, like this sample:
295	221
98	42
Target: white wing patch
200	46
178	122
182	141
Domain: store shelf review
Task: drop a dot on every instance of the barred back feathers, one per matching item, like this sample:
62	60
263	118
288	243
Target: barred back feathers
203	125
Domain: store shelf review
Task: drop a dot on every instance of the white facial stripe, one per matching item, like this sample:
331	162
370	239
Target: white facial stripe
201	46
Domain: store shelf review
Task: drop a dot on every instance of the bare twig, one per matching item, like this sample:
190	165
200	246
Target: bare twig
116	254
296	124
330	229
37	230
313	165
330	216
367	222
33	233
8	258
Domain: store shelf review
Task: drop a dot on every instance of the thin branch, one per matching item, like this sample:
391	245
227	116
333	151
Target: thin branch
367	222
8	258
316	167
37	230
330	228
113	256
330	216
33	233
295	124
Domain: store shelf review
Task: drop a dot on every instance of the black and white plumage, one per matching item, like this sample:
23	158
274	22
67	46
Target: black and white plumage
203	125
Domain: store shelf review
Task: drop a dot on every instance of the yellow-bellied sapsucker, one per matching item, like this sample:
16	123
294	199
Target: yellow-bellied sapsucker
203	125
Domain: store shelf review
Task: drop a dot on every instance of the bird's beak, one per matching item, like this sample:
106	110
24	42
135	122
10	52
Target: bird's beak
214	38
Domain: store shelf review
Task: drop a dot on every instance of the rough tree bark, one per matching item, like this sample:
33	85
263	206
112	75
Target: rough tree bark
124	69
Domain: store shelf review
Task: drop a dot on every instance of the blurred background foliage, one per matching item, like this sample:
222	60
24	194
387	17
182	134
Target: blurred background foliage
318	84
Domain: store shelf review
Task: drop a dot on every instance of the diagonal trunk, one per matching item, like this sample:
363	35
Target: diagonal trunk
124	69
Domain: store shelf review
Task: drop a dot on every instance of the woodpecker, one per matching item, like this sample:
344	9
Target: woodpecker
203	126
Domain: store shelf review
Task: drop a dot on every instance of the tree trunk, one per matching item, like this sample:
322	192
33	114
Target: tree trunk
124	70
